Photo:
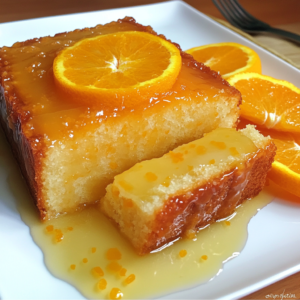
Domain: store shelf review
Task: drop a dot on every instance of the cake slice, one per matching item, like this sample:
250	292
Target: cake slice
69	152
159	200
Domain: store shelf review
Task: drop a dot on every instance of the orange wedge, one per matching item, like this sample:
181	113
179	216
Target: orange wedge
119	69
227	58
285	170
271	103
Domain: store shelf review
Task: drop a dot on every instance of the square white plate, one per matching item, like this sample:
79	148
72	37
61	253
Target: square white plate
272	250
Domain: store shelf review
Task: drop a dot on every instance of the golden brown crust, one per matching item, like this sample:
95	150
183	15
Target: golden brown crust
261	166
191	210
25	150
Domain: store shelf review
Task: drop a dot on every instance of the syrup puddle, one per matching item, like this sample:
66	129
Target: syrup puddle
156	274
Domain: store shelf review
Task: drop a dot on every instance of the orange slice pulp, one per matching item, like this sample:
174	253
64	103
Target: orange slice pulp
227	58
269	102
119	69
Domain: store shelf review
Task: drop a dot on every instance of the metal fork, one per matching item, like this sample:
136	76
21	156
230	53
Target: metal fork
240	18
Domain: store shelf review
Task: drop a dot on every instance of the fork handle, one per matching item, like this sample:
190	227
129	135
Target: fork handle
286	34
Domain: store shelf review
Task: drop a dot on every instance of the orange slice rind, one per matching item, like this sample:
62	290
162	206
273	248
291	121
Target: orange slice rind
285	177
119	69
227	58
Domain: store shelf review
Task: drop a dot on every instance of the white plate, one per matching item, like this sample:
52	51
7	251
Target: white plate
272	250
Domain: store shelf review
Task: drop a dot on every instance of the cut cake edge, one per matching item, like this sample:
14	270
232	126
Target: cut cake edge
150	233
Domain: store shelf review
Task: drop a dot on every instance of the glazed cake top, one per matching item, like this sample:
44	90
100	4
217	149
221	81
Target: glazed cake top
26	74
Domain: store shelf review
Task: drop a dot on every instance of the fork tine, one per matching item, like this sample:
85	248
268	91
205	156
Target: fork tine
247	16
240	18
223	9
241	13
239	21
229	12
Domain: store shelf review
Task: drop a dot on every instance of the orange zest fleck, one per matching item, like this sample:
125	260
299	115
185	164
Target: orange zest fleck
113	165
129	279
110	149
227	223
150	177
115	293
49	228
85	260
219	145
113	254
167	181
201	150
127	202
212	161
191	168
114	267
125	185
102	283
233	151
204	257
94	249
115	191
190	234
73	267
97	272
176	157
70	228
182	253
58	235
123	272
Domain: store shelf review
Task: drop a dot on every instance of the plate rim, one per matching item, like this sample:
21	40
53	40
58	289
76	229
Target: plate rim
258	285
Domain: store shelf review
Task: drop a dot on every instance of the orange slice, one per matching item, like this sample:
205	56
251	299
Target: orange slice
285	170
119	69
268	102
227	58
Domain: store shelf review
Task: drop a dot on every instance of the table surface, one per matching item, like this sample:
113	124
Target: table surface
278	13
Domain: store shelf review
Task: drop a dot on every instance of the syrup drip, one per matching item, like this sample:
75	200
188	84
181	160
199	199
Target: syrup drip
86	248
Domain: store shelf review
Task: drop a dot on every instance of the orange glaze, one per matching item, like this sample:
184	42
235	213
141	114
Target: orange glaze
27	75
206	250
188	262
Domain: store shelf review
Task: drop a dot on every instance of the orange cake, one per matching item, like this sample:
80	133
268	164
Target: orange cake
69	151
159	200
